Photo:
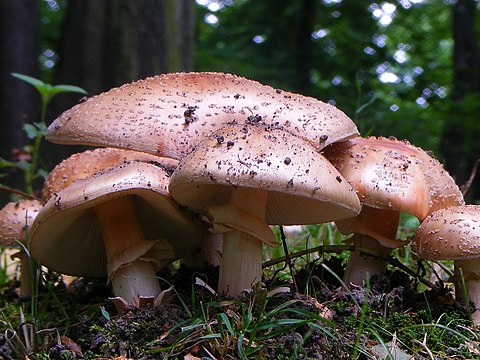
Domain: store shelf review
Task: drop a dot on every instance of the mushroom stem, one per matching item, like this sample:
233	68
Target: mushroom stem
241	263
363	260
25	275
132	273
471	273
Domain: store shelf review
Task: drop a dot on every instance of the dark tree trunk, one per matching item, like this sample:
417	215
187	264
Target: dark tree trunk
305	47
19	49
460	145
108	43
465	53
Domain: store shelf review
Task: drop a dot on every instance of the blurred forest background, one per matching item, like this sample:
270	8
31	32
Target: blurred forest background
403	68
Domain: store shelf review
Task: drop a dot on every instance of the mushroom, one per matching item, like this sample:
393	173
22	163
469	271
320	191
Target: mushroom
120	223
169	114
453	233
15	219
390	177
87	163
244	177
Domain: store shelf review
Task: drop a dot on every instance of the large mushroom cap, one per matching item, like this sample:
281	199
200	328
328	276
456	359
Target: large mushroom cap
392	174
85	164
67	237
452	233
169	114
302	186
15	218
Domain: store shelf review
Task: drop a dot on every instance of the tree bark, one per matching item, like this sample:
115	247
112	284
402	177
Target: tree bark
19	49
460	145
108	43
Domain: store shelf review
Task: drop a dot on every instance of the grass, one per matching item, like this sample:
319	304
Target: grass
396	313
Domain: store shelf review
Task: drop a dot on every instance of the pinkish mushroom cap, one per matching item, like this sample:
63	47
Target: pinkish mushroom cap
169	114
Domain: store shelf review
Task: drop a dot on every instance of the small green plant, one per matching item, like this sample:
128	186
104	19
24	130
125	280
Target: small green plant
30	163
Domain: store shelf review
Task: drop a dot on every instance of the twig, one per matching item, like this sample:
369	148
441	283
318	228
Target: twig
18	192
465	187
288	261
321	248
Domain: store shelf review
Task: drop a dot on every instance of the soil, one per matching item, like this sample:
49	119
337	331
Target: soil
183	327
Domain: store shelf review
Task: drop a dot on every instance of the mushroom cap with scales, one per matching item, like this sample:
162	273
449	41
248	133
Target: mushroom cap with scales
169	114
15	218
452	233
389	174
244	177
302	186
87	163
67	237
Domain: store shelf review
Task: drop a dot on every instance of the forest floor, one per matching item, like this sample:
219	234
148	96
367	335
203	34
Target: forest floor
393	317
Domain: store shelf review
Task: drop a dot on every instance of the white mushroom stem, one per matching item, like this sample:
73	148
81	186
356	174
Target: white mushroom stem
241	263
365	258
471	275
132	276
25	273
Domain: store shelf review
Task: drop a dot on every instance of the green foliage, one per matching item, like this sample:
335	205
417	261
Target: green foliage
31	165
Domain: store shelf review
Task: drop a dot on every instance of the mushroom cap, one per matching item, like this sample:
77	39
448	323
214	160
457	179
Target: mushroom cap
303	187
14	218
452	233
66	235
392	174
85	164
169	114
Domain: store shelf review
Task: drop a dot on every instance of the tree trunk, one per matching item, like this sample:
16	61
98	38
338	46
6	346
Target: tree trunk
108	43
19	49
460	145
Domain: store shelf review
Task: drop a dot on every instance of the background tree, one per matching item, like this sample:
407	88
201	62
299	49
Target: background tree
104	44
460	142
20	47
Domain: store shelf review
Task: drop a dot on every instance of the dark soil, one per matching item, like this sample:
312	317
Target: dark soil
184	325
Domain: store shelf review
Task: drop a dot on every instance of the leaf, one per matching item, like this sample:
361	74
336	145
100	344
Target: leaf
30	80
68	88
6	163
30	130
227	323
105	313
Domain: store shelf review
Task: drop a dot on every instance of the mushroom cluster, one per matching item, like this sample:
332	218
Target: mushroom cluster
390	177
108	213
188	151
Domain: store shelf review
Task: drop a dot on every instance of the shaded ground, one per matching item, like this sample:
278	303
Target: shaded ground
328	323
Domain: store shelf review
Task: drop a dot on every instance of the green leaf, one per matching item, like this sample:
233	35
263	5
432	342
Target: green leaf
227	323
43	173
105	313
68	88
6	163
30	80
30	130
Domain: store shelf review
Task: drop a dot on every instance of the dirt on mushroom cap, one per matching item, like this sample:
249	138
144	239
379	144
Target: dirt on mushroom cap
168	114
452	233
85	164
304	188
14	218
392	174
66	235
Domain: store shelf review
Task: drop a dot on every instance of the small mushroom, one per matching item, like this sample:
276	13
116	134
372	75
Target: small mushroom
390	177
120	223
453	233
15	221
244	183
169	114
90	162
